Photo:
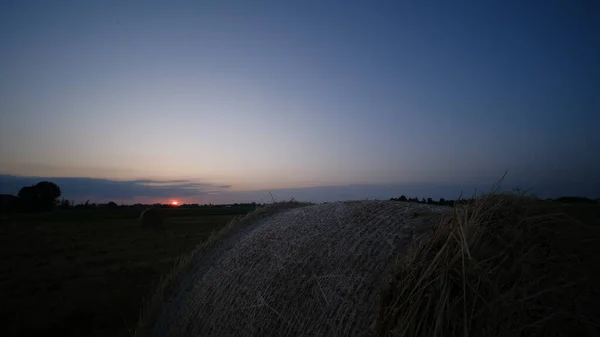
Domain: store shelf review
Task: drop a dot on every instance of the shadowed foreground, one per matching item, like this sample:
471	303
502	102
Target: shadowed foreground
500	266
84	273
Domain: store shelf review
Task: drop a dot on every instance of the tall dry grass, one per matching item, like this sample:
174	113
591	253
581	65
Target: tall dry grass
504	265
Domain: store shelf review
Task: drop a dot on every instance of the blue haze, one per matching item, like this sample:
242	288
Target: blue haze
301	96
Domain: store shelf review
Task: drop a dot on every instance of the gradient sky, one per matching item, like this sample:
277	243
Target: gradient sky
237	96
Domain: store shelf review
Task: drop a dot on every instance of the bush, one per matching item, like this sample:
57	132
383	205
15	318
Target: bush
9	203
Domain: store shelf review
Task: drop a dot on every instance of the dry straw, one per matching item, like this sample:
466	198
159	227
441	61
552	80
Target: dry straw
152	306
314	270
506	265
503	265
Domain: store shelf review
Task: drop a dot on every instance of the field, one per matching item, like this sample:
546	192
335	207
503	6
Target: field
86	272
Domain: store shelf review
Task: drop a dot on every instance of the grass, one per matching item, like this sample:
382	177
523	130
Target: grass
86	272
505	265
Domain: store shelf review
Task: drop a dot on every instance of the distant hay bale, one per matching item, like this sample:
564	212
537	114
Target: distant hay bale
315	270
151	218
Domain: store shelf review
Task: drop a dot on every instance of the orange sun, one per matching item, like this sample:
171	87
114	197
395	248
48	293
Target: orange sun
174	202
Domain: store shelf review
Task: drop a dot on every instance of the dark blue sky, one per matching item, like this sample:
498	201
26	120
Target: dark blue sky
268	95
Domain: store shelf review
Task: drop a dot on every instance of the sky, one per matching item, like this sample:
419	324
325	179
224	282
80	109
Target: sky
222	101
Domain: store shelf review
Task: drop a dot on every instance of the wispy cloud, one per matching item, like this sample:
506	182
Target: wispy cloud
160	182
102	189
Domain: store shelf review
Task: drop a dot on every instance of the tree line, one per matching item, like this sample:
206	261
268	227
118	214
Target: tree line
44	197
40	197
430	201
445	202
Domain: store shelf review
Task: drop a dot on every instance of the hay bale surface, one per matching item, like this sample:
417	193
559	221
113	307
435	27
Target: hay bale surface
151	218
505	265
316	270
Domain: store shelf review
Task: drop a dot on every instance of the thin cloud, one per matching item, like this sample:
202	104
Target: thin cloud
160	182
101	189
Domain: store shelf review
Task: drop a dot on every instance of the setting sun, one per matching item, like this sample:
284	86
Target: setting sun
174	202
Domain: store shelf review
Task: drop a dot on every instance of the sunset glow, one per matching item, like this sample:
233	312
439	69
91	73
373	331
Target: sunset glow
344	100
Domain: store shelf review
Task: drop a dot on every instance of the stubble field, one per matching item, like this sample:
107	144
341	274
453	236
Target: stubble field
86	272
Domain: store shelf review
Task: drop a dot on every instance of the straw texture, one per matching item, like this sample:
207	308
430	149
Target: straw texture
310	271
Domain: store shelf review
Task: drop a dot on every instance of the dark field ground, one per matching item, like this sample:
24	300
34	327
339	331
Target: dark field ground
85	272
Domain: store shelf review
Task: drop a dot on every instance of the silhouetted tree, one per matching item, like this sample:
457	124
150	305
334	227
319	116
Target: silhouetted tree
112	204
50	191
39	197
28	198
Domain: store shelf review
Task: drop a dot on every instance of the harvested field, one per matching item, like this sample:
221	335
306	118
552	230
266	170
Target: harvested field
84	273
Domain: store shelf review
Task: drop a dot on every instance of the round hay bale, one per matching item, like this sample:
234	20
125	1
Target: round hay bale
151	218
315	270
